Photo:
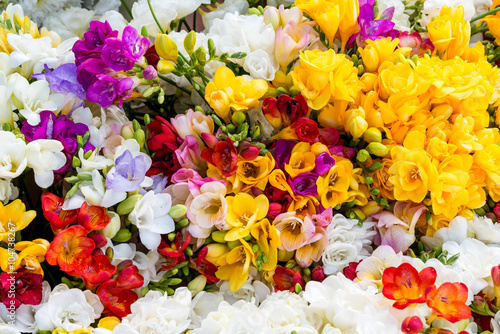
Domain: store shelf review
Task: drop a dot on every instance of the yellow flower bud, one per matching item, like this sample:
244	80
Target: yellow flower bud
113	227
198	284
285	256
177	211
166	47
372	135
377	149
165	66
189	42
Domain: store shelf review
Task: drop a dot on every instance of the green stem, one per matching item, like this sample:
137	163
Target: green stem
490	12
127	9
185	90
154	17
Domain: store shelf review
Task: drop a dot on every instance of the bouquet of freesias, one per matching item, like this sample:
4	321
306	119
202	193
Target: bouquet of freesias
281	167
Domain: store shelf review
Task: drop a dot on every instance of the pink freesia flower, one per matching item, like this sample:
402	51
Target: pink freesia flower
313	249
294	232
398	228
289	41
189	155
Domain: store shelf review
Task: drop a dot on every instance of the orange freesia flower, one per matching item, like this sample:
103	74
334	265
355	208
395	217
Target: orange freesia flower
448	302
70	249
406	285
93	217
58	218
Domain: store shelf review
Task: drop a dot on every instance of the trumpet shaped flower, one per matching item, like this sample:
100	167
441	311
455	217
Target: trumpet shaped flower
243	211
448	301
233	92
406	285
13	218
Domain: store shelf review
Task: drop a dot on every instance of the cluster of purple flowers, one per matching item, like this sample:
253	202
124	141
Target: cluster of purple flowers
62	129
101	55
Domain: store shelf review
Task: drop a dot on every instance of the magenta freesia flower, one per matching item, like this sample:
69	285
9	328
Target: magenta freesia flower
304	184
106	89
22	287
371	28
323	163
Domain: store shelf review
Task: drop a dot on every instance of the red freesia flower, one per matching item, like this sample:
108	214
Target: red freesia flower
97	271
174	253
27	288
203	266
350	271
71	249
318	274
93	218
116	295
412	325
406	285
162	144
306	130
58	218
448	301
285	110
286	279
224	156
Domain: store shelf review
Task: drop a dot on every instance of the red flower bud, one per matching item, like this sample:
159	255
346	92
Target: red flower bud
318	274
306	130
412	325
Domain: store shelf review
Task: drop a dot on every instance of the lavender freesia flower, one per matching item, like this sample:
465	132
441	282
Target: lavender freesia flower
63	79
304	184
128	173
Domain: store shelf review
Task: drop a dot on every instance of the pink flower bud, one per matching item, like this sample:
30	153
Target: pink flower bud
412	325
149	73
210	140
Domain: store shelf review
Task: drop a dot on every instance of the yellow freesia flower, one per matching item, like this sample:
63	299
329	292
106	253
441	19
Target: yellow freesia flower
450	192
253	173
449	32
13	218
302	160
231	92
18	25
488	160
333	188
268	240
333	16
380	50
322	77
236	264
412	174
108	323
31	254
243	210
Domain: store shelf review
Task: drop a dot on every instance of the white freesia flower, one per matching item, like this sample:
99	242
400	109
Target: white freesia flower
456	231
482	6
32	98
13	159
337	256
38	10
433	8
165	10
204	303
248	34
94	193
103	7
495	323
92	162
228	6
70	22
45	156
372	268
7	190
32	54
260	65
98	132
6	115
69	309
485	230
158	313
241	317
150	215
347	306
115	20
253	291
400	18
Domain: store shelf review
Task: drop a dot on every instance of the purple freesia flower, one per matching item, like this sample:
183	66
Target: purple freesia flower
323	163
282	152
128	172
369	27
135	46
113	54
59	128
304	184
342	151
93	41
106	89
63	79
